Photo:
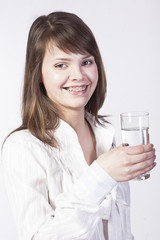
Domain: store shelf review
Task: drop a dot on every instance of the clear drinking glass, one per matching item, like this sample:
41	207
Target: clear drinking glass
135	131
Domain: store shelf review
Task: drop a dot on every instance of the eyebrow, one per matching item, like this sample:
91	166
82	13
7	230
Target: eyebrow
68	59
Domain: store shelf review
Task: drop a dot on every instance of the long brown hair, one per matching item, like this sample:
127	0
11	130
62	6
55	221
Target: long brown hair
69	33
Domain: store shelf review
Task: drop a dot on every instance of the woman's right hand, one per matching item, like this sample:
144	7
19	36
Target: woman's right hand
127	163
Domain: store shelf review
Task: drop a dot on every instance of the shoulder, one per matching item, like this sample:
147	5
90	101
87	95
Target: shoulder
103	123
104	134
22	140
22	136
23	152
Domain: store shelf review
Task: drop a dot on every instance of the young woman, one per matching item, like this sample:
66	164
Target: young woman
63	177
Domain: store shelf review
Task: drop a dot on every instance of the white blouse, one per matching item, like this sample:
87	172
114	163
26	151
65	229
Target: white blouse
55	195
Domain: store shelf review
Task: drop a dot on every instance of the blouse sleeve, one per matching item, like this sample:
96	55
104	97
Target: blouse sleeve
76	213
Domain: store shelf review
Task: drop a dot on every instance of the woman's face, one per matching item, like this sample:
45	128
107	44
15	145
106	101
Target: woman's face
69	79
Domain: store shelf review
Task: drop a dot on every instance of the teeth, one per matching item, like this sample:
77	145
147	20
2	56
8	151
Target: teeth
76	89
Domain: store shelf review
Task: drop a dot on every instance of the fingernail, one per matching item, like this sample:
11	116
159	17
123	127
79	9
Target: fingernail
125	144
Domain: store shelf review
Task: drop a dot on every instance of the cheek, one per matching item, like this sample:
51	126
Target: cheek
94	76
53	84
47	84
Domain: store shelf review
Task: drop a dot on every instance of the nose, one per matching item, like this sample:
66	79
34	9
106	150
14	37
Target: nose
76	73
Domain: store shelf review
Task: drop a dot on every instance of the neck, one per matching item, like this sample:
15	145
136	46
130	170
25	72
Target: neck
76	119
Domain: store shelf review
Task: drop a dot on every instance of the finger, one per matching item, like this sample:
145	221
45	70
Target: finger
142	171
142	157
132	150
142	166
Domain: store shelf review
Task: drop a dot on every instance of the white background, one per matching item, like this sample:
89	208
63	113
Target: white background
128	35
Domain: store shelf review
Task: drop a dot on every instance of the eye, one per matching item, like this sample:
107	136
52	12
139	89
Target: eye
61	65
87	62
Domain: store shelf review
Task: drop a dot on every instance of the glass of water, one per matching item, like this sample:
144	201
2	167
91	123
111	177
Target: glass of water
135	131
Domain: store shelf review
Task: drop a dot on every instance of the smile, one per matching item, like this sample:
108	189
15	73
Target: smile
76	88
